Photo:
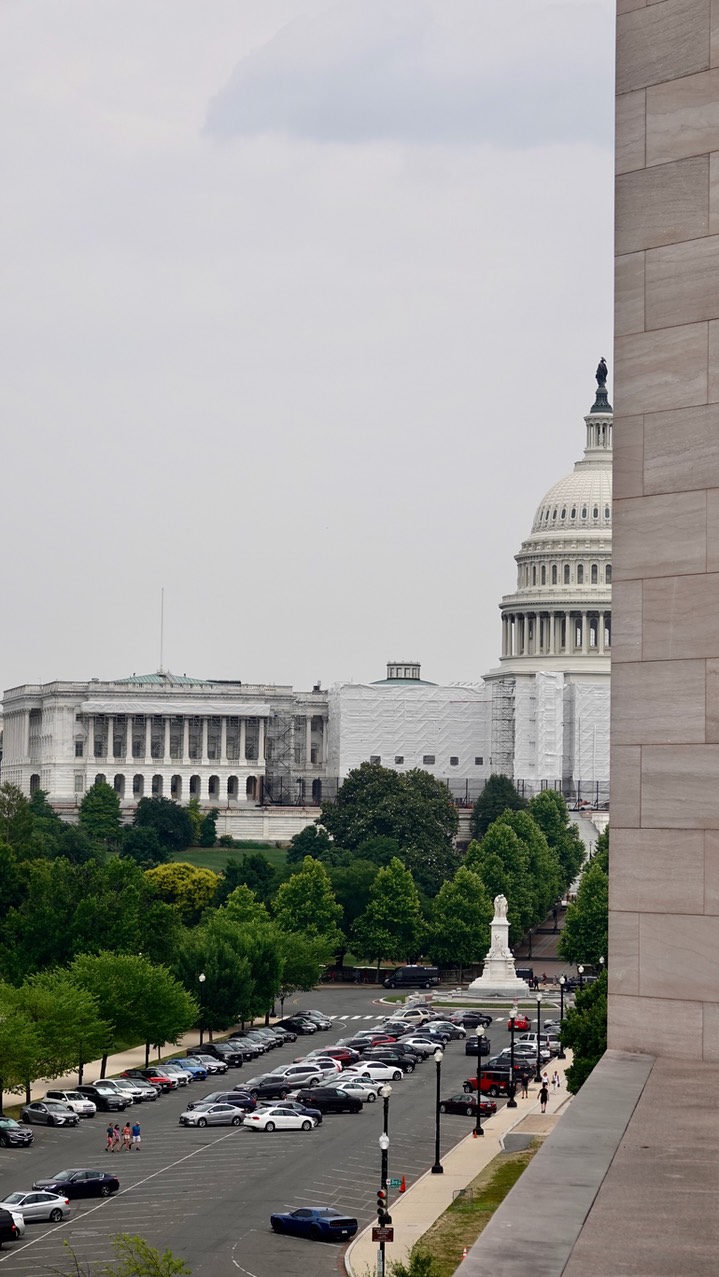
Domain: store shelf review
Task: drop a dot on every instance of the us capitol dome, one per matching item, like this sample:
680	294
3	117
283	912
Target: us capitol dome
550	693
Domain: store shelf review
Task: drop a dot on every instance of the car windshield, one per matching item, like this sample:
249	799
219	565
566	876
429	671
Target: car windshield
62	1175
8	1121
14	1199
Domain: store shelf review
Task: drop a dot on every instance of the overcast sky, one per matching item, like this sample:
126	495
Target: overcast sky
300	305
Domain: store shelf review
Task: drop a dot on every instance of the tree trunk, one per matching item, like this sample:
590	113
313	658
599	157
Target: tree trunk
2	1090
103	1066
267	1019
80	1073
28	1096
147	1054
461	972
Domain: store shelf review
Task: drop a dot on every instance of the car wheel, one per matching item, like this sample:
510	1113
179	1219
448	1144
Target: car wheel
494	1091
397	1075
202	1121
469	1110
105	1190
277	1227
51	1121
55	1216
236	1121
4	1141
283	1095
306	1126
269	1126
443	1108
315	1233
253	1094
410	1068
371	1097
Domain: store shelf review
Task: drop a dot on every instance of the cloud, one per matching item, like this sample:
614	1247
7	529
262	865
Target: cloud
515	74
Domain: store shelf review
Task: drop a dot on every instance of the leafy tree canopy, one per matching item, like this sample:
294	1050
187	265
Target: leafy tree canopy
497	796
585	1032
311	841
306	903
189	889
391	926
16	820
461	914
243	907
586	925
502	862
549	810
255	871
100	814
208	828
351	884
141	844
411	807
215	950
171	822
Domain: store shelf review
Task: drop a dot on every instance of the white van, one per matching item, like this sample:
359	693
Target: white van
546	1040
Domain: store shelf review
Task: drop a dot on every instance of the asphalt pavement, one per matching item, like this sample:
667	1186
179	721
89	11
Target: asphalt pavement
207	1194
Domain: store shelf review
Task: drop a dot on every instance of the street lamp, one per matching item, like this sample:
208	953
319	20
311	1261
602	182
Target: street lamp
511	1088
601	965
580	969
202	977
562	982
538	1074
478	1120
383	1216
438	1168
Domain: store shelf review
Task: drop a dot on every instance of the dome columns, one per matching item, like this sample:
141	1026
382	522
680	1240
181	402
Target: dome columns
585	631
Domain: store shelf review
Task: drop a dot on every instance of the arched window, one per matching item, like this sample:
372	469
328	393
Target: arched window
119	785
157	787
608	574
213	787
534	574
584	512
607	512
554	574
595	574
232	789
564	512
574	512
595	512
138	786
544	575
195	786
566	574
251	787
554	513
176	788
580	574
100	778
34	783
317	791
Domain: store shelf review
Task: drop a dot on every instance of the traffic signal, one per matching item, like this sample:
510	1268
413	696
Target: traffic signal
382	1202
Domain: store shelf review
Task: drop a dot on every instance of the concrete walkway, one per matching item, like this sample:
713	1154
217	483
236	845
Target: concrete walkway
416	1210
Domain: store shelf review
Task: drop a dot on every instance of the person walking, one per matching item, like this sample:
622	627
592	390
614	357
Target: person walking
543	1096
556	1083
126	1136
136	1135
524	1079
116	1138
110	1134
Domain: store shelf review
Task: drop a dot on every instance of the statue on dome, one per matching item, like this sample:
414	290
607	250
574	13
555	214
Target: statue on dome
601	373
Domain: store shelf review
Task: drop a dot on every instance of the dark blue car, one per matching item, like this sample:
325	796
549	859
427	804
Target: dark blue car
319	1223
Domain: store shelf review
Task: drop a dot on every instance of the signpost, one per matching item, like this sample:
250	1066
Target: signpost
395	1183
383	1233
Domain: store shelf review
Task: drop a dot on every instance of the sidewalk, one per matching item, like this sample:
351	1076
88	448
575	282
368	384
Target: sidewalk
417	1209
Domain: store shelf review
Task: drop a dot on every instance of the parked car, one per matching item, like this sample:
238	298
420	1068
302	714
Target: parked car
278	1118
157	1075
105	1098
296	1107
376	1070
472	1019
385	1055
266	1035
135	1090
79	1104
319	1017
14	1135
184	1077
471	1046
521	1021
545	1039
307	1074
411	977
298	1024
193	1067
220	1114
285	1035
223	1052
240	1098
415	1015
249	1046
269	1086
49	1113
424	1046
38	1206
493	1082
453	1031
80	1182
467	1104
319	1223
363	1088
329	1099
9	1227
526	1053
344	1054
211	1062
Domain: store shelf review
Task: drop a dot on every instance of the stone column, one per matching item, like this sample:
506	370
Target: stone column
205	759
185	739
600	634
148	738
243	742
308	741
223	739
166	745
525	633
585	633
110	736
91	735
261	744
128	744
552	634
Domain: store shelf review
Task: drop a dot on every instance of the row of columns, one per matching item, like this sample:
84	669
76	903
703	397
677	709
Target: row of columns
130	758
552	633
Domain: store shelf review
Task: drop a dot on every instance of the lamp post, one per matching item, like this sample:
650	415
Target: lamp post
538	1074
601	965
511	1088
478	1120
383	1216
385	1092
438	1168
580	969
562	982
202	977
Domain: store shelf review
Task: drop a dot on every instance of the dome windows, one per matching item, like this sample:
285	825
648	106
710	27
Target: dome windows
607	512
554	513
564	512
580	574
544	575
608	574
595	574
584	512
566	574
554	574
534	574
595	512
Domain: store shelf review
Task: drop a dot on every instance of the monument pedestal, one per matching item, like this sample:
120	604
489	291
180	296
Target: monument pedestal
499	979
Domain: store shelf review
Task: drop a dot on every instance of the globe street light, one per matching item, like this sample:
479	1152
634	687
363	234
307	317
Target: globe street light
512	1087
538	1074
601	965
438	1168
562	982
202	977
478	1119
383	1216
580	969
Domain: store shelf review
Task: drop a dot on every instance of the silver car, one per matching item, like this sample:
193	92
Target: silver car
75	1101
182	1075
212	1115
49	1113
37	1205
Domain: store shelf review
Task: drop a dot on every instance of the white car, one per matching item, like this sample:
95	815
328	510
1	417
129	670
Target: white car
211	1064
36	1205
74	1100
327	1062
360	1088
277	1118
413	1015
376	1071
418	1044
174	1070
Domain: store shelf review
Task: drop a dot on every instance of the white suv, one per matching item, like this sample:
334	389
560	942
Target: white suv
75	1101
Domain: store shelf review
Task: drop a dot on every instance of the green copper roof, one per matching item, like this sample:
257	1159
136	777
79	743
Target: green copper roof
163	679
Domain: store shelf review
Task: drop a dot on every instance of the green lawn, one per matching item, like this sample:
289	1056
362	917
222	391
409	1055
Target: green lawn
217	857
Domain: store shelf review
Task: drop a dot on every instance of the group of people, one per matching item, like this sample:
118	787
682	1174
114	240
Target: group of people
129	1137
544	1088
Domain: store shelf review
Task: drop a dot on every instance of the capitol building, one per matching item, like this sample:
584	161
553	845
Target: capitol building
266	755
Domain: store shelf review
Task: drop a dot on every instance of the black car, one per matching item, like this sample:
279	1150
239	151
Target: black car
329	1099
240	1099
248	1036
249	1050
79	1182
8	1227
106	1100
12	1133
298	1024
470	1046
467	1105
222	1051
269	1086
471	1019
285	1035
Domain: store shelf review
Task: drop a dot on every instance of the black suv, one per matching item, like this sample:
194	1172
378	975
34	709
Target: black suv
329	1099
248	1050
229	1055
470	1046
270	1086
107	1100
12	1132
385	1055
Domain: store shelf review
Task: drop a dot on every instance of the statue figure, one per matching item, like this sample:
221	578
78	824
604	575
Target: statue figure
601	373
500	906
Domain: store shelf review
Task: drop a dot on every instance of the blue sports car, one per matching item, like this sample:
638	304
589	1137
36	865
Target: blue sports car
320	1223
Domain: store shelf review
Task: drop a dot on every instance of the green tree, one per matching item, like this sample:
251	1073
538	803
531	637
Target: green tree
585	1032
304	959
461	914
100	815
67	1023
311	841
243	907
195	817
391	926
47	827
586	925
214	950
189	889
141	844
411	807
550	811
19	1042
351	884
545	879
208	829
502	863
167	1009
498	796
172	823
255	871
16	821
76	845
306	903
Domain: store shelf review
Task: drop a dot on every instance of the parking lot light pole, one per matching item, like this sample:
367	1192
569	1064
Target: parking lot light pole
601	965
202	977
384	1218
511	1102
478	1120
562	982
438	1168
580	969
538	1074
385	1092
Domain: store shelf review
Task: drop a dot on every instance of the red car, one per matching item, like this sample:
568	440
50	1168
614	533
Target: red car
155	1076
521	1023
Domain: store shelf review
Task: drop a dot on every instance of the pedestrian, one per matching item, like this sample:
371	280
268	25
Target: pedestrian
545	1079
116	1138
110	1133
136	1136
524	1079
555	1081
543	1096
126	1136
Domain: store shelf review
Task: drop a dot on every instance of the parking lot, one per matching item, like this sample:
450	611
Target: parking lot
208	1193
